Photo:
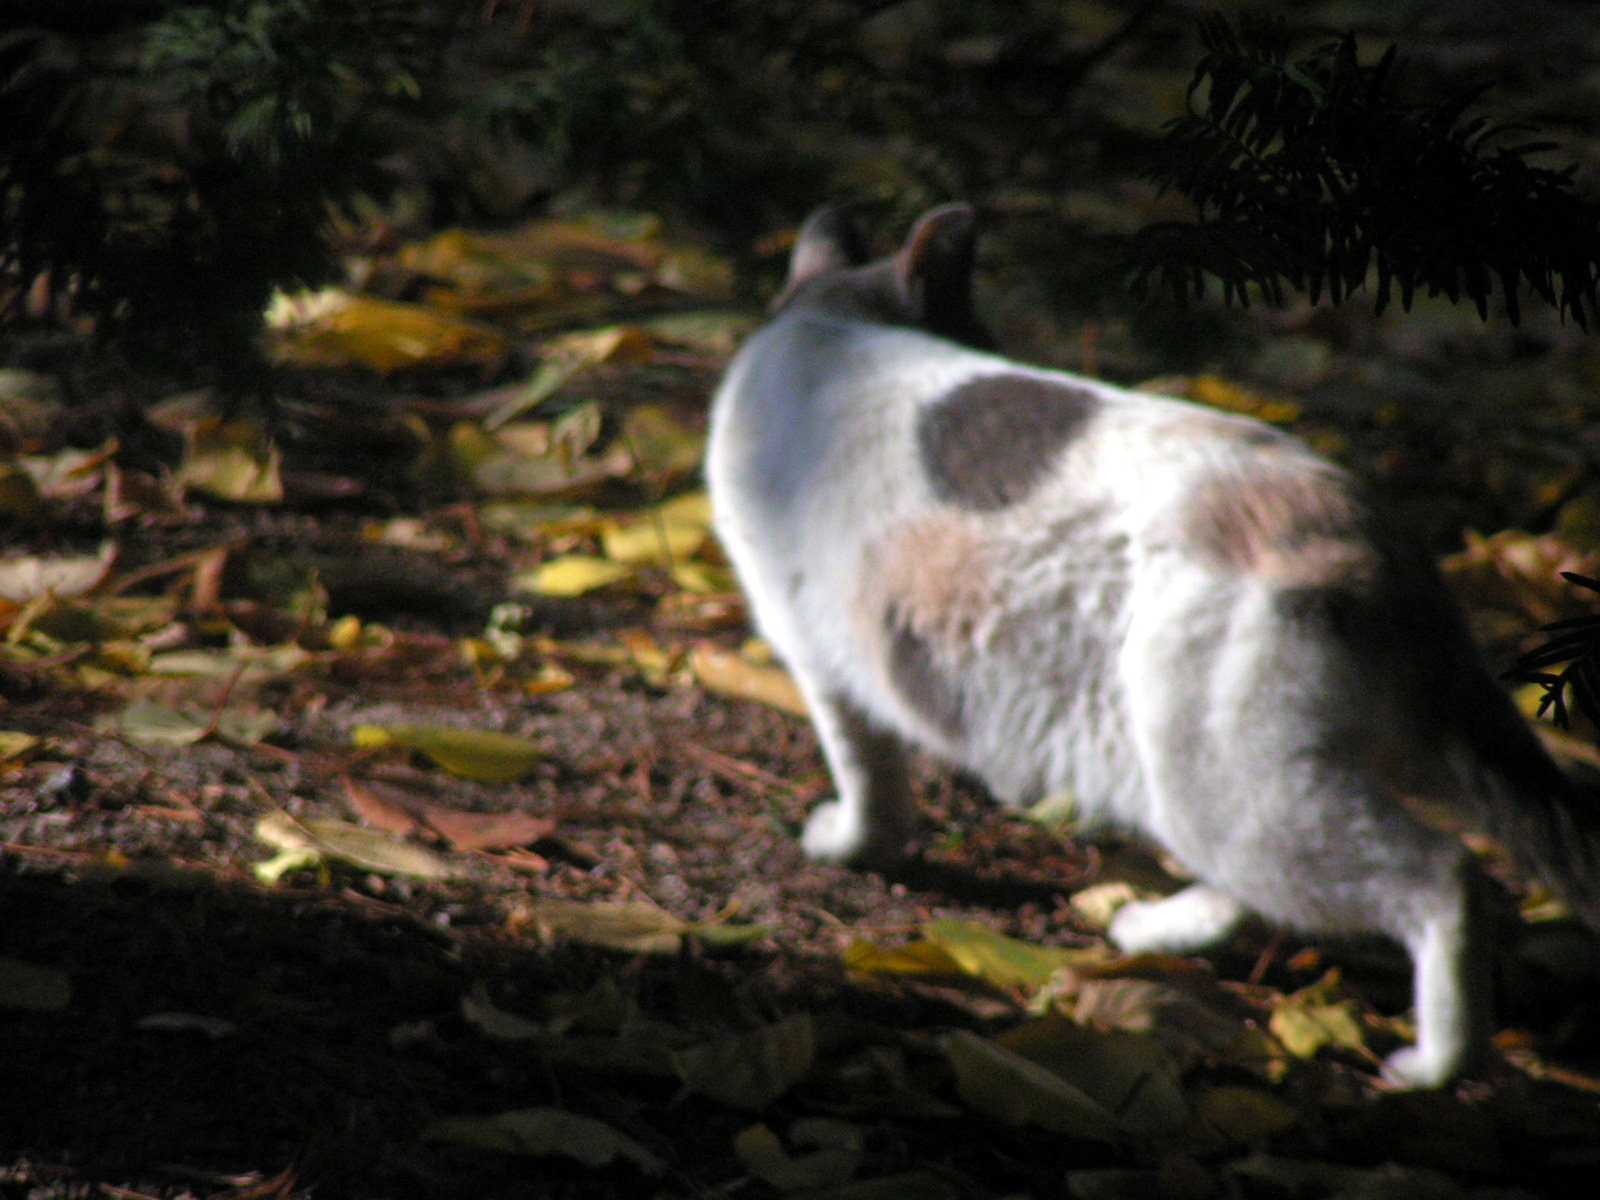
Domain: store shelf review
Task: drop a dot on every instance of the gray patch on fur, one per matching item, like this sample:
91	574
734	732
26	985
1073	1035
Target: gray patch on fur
919	680
987	444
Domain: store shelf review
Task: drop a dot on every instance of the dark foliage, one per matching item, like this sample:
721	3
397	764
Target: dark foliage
1309	174
1573	645
167	199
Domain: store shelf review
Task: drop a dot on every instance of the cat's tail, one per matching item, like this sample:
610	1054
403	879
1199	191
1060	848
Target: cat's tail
1526	803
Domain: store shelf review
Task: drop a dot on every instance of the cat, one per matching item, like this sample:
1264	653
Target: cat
1206	633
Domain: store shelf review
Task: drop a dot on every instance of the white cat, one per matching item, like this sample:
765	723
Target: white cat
1185	618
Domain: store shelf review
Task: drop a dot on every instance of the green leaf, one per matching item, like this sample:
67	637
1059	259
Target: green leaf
996	959
751	1070
832	1164
33	988
1310	1019
368	849
478	754
1005	1087
545	1133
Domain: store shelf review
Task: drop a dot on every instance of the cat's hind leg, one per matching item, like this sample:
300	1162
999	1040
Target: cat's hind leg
1453	983
872	817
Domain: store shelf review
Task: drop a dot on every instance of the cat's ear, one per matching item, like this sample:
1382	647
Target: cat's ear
935	267
934	274
828	241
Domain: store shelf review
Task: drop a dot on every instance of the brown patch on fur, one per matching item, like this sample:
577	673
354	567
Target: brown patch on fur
1297	527
988	443
926	593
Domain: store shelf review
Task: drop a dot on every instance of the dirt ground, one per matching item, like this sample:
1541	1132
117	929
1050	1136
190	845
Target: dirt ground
633	984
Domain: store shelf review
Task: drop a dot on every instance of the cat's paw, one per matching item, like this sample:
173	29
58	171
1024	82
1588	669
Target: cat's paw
1413	1068
1195	918
833	833
836	832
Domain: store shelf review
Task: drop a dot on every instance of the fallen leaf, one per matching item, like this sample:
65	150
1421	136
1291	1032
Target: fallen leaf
1099	903
14	744
636	927
565	357
831	1164
918	960
1004	962
487	831
571	575
368	849
148	723
731	674
1128	1074
488	1018
652	541
1012	1090
664	449
19	495
392	813
478	754
751	1070
1243	1116
69	474
33	988
33	577
334	328
545	1133
232	460
214	1028
1310	1019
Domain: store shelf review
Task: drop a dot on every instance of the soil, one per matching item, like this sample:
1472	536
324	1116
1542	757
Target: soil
171	1025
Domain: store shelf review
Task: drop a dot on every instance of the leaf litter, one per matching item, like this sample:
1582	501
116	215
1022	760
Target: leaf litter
569	921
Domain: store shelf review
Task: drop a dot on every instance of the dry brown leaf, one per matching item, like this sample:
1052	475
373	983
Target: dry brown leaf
487	831
382	808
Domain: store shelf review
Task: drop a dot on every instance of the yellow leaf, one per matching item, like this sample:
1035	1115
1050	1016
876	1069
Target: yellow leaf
368	849
692	508
565	357
1219	393
471	447
1012	1090
919	959
478	754
572	575
730	674
636	927
301	858
232	460
664	449
996	959
15	745
1099	903
652	541
751	1070
702	579
332	329
1310	1019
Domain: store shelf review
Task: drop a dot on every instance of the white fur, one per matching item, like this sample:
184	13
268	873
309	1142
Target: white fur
1105	654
